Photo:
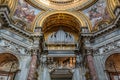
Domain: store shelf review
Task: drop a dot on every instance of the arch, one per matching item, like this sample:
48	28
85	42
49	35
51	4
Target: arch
6	58
83	20
106	56
112	66
9	66
11	4
12	53
111	5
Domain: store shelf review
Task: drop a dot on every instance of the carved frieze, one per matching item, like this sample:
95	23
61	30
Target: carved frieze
7	45
108	47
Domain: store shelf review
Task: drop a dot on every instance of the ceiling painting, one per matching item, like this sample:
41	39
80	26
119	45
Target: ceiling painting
97	12
25	12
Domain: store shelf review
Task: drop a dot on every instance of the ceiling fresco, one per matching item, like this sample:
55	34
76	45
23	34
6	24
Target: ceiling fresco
25	12
97	12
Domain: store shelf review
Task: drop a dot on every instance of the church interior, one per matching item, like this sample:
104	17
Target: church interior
59	39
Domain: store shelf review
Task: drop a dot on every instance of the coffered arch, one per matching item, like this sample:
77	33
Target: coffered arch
7	60
81	19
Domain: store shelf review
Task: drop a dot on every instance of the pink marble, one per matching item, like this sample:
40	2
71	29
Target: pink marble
91	67
32	67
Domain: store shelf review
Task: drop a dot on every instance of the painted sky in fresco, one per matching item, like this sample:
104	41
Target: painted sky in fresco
25	12
97	12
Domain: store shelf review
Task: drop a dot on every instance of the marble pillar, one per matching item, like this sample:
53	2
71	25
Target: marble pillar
43	69
24	64
92	67
77	75
32	67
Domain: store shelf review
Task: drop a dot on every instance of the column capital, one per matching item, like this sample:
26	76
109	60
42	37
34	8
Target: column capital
89	51
34	51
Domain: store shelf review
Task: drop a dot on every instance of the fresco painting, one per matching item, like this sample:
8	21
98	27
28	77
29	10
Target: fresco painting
25	12
97	12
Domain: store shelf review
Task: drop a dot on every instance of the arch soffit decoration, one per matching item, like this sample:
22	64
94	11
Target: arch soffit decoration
83	20
108	55
11	4
11	53
115	60
7	59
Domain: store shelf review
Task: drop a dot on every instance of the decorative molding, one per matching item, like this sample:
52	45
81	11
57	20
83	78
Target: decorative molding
107	47
10	46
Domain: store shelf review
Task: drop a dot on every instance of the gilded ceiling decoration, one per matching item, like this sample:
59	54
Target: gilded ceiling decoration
61	4
27	12
55	21
11	4
62	1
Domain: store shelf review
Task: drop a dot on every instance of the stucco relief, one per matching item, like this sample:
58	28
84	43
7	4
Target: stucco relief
7	45
108	47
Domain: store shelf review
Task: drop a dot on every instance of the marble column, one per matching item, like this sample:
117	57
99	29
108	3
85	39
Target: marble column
43	69
91	67
32	67
77	75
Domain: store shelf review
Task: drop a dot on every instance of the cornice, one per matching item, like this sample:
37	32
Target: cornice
9	25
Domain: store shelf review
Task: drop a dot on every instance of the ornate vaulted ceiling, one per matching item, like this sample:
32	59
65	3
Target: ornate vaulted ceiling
55	21
87	13
62	4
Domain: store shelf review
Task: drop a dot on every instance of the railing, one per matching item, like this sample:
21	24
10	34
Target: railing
61	46
63	42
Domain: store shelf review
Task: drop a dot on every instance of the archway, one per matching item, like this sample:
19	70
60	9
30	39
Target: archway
8	66
61	23
112	66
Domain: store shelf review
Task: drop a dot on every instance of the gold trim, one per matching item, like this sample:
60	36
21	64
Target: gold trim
39	5
84	21
11	4
111	5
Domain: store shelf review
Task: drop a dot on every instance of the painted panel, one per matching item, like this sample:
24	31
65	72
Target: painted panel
25	12
97	12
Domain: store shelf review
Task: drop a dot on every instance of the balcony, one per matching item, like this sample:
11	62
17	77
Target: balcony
61	46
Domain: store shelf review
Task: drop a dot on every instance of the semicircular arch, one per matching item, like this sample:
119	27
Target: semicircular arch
83	20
